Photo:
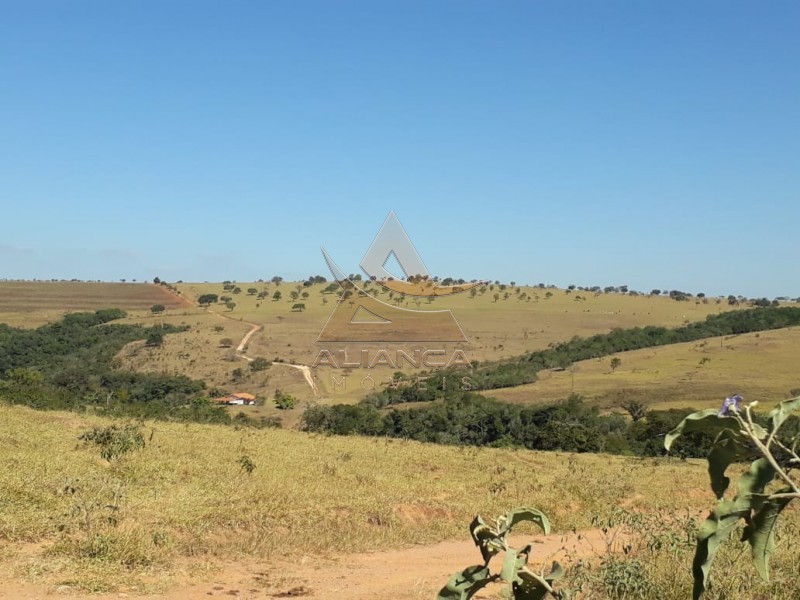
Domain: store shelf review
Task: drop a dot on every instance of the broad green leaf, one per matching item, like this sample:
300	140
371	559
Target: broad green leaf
722	521
729	447
716	529
512	563
529	587
483	535
780	413
760	532
524	514
704	420
465	584
752	484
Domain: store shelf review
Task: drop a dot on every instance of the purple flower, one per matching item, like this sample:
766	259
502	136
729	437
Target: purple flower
731	405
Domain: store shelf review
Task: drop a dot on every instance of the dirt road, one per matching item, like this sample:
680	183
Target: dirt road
255	328
415	573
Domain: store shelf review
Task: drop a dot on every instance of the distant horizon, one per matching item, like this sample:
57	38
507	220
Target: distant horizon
643	292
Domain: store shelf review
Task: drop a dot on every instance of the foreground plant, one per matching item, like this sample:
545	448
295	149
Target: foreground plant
521	582
764	490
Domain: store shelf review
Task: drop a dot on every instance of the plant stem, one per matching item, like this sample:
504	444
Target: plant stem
749	429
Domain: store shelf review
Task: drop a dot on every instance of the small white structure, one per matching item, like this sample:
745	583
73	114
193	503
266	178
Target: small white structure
237	399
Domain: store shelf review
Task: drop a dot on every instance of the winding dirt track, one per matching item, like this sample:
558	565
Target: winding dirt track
255	328
415	573
307	375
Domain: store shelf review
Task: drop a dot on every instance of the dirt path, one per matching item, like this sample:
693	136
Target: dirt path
415	573
185	302
255	328
307	375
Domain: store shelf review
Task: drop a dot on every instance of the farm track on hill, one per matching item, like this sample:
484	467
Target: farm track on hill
242	346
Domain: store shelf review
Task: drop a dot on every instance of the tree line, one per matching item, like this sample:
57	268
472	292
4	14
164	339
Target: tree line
473	420
524	369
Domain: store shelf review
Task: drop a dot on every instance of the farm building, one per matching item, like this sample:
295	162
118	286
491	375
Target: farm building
236	398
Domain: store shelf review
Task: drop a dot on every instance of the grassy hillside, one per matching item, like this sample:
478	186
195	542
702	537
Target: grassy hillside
760	366
33	303
526	321
68	516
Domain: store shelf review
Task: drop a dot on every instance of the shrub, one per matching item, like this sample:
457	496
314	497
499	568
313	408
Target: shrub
114	441
259	364
154	339
284	401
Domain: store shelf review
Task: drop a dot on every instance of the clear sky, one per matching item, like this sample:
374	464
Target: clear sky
653	144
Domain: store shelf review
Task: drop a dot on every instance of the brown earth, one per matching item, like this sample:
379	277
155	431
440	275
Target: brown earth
407	574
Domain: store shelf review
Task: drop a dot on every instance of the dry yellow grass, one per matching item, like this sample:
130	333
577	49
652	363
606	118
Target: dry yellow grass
185	507
760	366
185	496
186	500
495	329
33	303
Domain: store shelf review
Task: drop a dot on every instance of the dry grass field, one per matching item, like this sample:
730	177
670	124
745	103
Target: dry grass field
528	319
183	513
495	329
760	366
33	303
183	517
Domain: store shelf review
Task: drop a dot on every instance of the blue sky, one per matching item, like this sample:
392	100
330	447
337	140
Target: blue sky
639	143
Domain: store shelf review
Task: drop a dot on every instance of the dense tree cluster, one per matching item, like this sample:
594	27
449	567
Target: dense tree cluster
69	365
470	419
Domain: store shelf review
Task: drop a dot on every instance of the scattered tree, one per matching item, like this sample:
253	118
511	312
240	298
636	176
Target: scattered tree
207	299
259	364
637	410
155	339
284	401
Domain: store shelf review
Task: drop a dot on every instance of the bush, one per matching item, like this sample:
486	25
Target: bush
155	339
284	401
114	441
259	364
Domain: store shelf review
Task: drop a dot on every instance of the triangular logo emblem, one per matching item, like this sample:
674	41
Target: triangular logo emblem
364	315
392	241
